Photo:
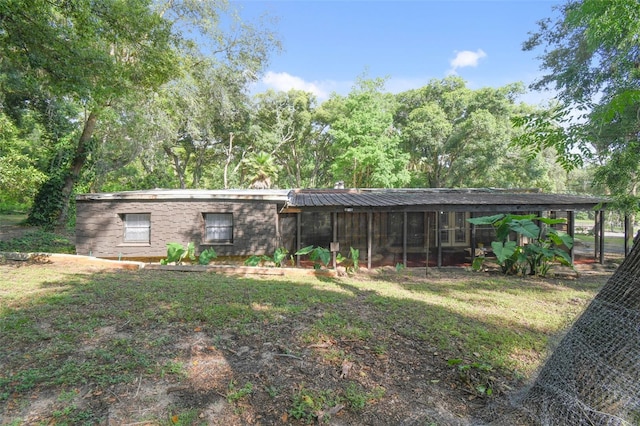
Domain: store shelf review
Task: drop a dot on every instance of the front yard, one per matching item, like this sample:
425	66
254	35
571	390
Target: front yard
80	344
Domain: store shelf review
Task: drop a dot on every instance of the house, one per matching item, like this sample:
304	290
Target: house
388	226
140	224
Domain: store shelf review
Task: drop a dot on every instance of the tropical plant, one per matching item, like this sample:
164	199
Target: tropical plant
279	258
351	262
207	256
320	255
176	253
261	169
544	243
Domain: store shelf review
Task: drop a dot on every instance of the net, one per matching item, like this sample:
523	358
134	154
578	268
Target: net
593	376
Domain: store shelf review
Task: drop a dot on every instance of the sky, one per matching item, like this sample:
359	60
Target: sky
328	45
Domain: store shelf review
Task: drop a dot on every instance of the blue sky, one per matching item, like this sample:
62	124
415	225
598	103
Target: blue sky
327	45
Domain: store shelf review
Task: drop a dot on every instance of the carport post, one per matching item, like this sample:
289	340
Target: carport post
438	242
601	232
404	239
571	221
369	238
298	232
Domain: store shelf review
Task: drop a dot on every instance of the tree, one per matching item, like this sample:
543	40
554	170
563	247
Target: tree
591	58
19	176
97	53
591	53
92	52
200	112
290	132
460	137
366	145
261	170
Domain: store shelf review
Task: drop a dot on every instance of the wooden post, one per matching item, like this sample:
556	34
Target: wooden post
426	266
334	216
298	232
571	221
404	239
596	234
602	237
438	242
474	243
369	238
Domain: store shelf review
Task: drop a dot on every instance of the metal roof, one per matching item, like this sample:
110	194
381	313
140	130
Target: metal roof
370	199
435	199
278	195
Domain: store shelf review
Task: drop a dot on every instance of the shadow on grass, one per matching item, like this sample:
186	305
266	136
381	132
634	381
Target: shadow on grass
134	346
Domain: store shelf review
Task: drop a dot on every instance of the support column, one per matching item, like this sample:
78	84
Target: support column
602	237
298	232
596	234
404	239
438	242
473	241
334	225
369	238
571	231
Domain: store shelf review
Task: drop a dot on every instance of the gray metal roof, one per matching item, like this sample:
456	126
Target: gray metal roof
436	199
432	199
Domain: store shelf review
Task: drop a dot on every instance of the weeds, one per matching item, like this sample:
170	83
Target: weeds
39	241
235	394
357	397
476	376
308	404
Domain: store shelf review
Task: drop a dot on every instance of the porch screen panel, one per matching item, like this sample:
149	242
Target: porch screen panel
352	232
219	227
315	229
415	229
137	227
394	229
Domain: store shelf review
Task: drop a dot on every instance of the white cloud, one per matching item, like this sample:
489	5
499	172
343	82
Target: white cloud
466	58
283	81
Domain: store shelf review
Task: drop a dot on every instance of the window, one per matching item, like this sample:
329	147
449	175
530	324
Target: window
137	228
453	229
218	227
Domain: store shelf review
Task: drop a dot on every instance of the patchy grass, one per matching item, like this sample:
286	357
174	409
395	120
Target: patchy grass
12	219
38	240
89	346
612	240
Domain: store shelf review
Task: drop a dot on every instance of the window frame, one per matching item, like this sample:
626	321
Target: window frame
230	228
127	219
454	229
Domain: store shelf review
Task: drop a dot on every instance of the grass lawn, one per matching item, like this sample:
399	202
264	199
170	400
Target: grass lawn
82	345
11	219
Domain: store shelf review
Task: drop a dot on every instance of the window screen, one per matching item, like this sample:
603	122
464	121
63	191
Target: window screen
219	227
137	227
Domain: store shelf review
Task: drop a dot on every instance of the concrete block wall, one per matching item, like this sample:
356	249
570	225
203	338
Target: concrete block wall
100	227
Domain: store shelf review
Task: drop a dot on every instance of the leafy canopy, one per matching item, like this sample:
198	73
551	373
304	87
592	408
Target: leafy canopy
590	55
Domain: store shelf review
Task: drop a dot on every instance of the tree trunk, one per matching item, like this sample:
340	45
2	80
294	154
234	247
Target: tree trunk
593	377
77	164
177	166
227	162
